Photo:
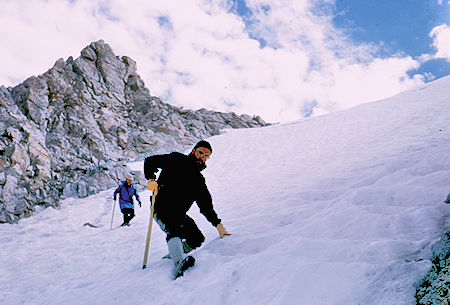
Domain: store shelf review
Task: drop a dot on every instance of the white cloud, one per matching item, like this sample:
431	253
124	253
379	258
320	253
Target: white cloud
350	84
441	41
197	54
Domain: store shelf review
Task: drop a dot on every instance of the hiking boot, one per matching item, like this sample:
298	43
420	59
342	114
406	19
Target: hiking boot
184	265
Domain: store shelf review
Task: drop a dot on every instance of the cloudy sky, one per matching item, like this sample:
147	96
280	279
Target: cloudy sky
281	59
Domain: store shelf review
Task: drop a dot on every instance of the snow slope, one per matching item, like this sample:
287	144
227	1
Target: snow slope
337	209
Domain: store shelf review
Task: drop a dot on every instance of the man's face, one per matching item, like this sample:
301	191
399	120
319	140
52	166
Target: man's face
129	181
201	154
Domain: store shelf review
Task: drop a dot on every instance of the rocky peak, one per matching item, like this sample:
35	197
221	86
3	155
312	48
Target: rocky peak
69	131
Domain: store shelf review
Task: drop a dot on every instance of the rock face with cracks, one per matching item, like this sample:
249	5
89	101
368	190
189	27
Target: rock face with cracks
70	131
434	288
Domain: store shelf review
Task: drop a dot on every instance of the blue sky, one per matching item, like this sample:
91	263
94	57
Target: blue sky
281	59
399	26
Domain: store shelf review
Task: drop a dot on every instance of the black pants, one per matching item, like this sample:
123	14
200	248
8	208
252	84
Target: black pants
186	229
128	214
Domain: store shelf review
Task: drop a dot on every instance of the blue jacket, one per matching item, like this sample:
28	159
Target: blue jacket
126	193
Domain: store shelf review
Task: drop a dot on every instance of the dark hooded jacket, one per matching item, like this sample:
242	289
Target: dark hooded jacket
180	184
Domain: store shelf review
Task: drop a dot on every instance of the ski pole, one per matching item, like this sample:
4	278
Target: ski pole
152	207
112	218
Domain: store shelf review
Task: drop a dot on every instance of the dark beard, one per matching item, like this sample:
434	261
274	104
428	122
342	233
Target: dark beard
199	164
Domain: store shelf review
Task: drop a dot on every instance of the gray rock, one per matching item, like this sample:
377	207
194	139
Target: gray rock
70	131
434	288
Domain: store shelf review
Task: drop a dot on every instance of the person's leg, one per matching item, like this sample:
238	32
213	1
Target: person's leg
161	223
124	217
128	214
190	234
175	250
175	245
193	237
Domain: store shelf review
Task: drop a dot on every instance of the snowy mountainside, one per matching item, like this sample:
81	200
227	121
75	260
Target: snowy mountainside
337	209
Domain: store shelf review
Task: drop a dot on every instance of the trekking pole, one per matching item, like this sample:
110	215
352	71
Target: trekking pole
112	218
152	207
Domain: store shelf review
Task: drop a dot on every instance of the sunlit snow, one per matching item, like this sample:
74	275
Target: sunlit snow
337	209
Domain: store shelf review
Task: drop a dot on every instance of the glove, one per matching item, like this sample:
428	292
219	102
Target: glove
153	186
222	230
140	204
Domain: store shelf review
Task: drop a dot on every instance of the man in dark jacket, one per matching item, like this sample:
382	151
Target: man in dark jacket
179	185
126	191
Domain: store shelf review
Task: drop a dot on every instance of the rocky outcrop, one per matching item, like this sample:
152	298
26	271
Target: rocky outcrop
70	131
434	288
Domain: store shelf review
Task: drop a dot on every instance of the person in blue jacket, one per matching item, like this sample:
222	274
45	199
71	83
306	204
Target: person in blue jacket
126	191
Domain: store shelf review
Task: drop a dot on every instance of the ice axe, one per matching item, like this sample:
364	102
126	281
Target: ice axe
152	208
112	218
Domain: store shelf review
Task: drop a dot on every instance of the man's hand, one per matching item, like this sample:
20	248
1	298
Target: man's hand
222	230
140	204
153	186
